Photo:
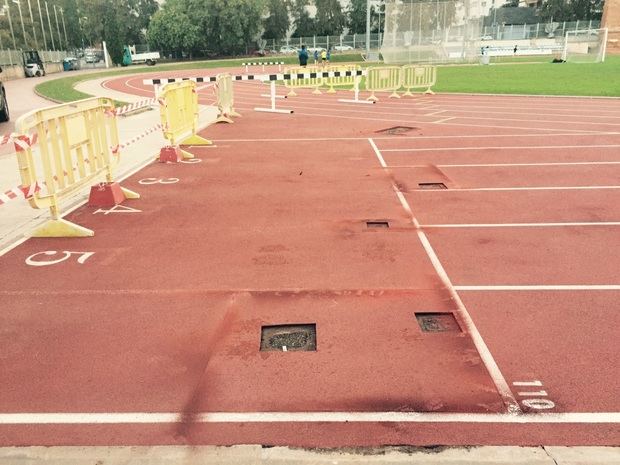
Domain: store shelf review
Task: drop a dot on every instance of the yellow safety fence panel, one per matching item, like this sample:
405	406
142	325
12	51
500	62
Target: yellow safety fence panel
303	83
225	99
419	77
341	81
179	114
384	78
63	149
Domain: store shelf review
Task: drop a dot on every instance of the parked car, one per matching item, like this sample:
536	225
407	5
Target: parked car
4	106
486	38
343	48
70	64
288	50
91	58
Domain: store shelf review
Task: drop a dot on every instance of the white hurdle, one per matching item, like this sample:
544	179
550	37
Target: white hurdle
273	96
272	78
356	89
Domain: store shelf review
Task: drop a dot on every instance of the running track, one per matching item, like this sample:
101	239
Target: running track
152	337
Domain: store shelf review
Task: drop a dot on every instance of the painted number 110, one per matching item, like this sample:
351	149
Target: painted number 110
532	395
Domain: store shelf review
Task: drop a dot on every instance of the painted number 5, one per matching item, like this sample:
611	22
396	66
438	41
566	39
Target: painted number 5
33	261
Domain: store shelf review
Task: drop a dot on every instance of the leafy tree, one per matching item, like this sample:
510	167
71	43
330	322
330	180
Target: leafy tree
232	25
174	29
113	33
356	16
138	15
329	17
277	23
304	25
571	10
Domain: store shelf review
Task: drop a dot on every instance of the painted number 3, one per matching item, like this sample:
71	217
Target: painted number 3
38	260
149	181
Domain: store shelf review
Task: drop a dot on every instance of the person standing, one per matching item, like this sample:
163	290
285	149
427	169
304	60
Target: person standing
316	56
323	57
303	56
329	54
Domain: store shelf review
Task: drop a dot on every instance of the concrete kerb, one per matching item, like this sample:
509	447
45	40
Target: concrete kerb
254	455
18	218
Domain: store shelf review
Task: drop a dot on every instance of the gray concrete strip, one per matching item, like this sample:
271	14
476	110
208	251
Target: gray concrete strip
584	455
251	454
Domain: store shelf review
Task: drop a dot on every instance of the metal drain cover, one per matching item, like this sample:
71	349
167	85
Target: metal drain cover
377	224
437	322
288	338
432	185
396	130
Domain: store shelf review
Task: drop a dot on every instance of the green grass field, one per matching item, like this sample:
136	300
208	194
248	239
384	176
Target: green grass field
543	78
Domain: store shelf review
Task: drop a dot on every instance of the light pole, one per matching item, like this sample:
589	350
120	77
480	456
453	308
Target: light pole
49	23
34	30
62	16
8	13
367	28
42	27
21	18
58	29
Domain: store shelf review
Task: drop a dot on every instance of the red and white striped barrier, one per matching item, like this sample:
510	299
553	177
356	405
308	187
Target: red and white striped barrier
116	149
135	106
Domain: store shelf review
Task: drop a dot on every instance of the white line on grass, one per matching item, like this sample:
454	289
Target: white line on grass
484	352
543	287
304	417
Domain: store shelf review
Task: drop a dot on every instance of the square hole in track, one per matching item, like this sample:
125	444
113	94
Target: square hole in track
437	322
432	185
396	130
377	224
288	338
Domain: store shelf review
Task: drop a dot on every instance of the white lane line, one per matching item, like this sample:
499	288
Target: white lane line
443	120
543	287
555	188
501	147
507	165
304	417
582	132
485	354
520	225
398	138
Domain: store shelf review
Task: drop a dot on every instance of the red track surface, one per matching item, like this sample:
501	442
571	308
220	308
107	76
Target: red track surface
270	228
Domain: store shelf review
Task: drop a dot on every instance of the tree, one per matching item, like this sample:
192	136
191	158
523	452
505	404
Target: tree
329	17
277	23
113	33
571	10
356	16
174	29
304	25
233	24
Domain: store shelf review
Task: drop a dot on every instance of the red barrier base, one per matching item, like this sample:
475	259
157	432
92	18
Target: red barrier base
170	154
105	194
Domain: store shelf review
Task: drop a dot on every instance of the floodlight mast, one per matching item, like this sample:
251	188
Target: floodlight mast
367	28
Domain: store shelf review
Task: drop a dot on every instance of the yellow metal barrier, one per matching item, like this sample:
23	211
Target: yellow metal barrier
419	77
348	81
76	146
225	99
384	78
179	114
301	83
